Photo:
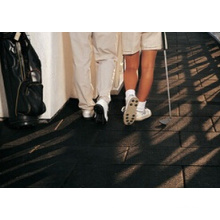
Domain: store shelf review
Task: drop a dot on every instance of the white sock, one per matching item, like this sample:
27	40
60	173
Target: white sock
129	92
141	106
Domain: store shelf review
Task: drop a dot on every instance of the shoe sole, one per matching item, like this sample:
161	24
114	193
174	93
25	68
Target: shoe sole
130	112
88	118
100	117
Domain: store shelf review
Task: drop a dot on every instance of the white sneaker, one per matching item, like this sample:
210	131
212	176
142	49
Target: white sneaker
101	111
143	115
130	110
88	114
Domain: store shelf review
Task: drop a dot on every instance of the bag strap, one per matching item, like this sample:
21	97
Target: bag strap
14	36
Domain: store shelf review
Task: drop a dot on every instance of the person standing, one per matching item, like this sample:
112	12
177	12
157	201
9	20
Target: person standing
104	45
134	43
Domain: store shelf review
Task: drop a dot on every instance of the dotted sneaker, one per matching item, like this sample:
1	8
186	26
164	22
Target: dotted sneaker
130	110
143	115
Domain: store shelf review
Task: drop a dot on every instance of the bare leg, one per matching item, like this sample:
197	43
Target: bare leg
130	74
130	81
147	74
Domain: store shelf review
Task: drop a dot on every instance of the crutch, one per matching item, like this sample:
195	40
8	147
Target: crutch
165	121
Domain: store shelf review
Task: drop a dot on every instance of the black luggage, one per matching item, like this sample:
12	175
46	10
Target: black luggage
21	69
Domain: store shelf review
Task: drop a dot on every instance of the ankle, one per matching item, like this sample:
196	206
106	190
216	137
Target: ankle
129	92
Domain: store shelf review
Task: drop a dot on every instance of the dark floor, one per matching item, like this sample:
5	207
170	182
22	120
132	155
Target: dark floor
73	152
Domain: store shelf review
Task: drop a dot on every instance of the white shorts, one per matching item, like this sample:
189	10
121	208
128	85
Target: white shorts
133	42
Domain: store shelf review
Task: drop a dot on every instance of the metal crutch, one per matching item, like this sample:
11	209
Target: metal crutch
165	121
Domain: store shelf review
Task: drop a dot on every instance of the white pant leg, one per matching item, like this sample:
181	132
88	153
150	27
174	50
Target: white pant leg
105	49
81	48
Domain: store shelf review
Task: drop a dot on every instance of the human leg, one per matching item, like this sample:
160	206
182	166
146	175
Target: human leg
130	82
147	74
81	49
130	73
131	46
105	55
105	48
145	84
151	42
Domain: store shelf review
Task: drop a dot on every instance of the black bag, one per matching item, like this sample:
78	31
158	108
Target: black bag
21	69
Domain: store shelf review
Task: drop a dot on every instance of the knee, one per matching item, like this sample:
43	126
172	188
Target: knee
131	68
